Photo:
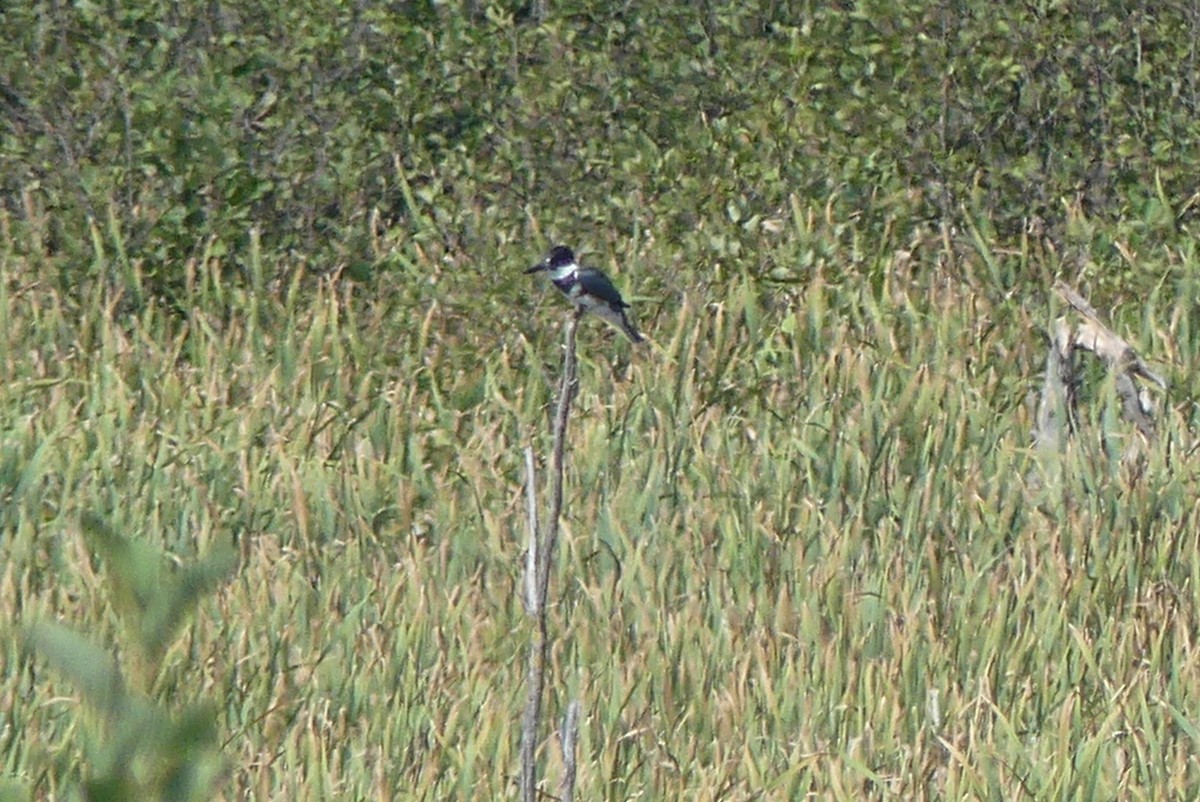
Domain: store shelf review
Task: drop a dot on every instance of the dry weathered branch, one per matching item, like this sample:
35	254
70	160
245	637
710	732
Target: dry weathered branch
570	730
1098	338
538	562
1056	412
531	552
535	679
566	394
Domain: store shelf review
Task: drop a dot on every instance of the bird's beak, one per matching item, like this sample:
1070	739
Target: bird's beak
539	267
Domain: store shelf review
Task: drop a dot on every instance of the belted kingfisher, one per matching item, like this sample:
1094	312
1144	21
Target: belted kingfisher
586	287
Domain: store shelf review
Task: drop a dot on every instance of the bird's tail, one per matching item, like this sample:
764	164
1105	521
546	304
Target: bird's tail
630	330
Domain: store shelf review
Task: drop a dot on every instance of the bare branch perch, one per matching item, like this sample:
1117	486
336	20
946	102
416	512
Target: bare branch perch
539	559
566	395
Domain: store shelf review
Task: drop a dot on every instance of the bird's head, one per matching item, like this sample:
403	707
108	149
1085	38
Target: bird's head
559	262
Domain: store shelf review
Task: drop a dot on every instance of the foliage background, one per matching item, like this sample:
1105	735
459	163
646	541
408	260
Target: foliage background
261	278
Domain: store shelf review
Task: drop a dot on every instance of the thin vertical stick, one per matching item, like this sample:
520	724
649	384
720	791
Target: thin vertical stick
543	556
531	553
566	394
535	678
570	730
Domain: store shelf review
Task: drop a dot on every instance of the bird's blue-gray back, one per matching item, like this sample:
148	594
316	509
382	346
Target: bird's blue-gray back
596	283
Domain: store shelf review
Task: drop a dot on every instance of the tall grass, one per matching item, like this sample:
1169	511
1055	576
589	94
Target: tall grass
802	555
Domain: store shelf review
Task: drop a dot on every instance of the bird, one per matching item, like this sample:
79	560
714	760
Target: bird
587	288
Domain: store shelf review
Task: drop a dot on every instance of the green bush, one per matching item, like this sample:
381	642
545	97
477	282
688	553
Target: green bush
178	131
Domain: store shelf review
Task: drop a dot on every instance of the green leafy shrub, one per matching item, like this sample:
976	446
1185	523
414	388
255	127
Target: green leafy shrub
135	747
